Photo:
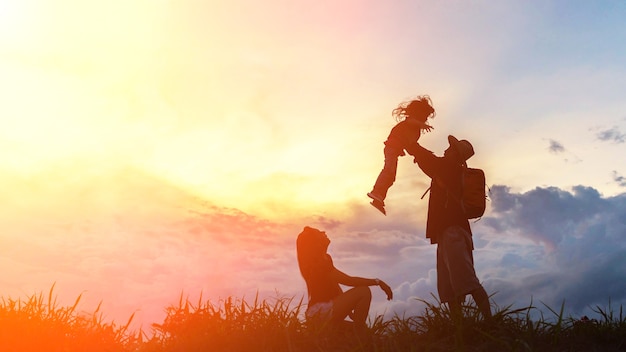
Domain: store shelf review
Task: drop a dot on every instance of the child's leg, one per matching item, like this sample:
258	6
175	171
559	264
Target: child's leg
387	175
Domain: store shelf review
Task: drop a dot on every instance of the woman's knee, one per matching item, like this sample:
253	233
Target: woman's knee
364	292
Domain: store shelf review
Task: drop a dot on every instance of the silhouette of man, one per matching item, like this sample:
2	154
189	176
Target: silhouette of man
448	227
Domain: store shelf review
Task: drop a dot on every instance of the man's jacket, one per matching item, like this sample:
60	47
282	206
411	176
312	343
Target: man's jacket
443	209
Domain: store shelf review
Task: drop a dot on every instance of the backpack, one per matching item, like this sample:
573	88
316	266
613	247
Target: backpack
473	199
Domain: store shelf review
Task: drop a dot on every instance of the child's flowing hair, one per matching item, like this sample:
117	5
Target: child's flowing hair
418	103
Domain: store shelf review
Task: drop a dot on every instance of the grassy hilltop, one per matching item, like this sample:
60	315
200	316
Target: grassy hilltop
37	323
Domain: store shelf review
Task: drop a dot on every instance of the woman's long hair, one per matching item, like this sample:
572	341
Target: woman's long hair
309	249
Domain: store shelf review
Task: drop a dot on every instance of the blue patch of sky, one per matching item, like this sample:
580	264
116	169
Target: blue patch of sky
569	33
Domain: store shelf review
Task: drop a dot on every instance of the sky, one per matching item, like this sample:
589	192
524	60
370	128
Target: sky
152	150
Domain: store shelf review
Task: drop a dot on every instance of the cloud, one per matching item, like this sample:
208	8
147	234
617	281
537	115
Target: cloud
555	147
546	244
135	243
611	135
545	214
619	179
583	234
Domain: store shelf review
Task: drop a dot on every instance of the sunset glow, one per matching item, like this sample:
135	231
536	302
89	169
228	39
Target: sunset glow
181	145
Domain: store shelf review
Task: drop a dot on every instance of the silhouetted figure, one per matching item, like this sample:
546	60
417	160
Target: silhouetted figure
327	302
448	226
411	116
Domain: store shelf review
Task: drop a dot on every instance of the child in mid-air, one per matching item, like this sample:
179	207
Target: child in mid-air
411	116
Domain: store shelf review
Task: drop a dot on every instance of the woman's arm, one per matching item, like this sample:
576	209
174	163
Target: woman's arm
355	281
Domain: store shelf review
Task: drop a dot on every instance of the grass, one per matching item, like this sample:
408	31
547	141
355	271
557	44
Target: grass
37	323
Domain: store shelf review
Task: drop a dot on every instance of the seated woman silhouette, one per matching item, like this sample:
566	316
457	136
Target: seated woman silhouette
327	301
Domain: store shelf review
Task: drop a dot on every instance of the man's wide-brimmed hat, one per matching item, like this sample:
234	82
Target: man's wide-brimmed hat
463	147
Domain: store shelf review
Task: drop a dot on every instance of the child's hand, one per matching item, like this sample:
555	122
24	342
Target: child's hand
427	128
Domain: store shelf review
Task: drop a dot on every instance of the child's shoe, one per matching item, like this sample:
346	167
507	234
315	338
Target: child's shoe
377	198
377	202
380	206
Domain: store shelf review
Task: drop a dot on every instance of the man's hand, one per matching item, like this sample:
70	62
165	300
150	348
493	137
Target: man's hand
387	290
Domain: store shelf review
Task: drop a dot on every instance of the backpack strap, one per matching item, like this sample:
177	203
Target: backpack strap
448	192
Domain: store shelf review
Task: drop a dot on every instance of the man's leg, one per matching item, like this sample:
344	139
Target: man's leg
455	253
456	308
482	301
